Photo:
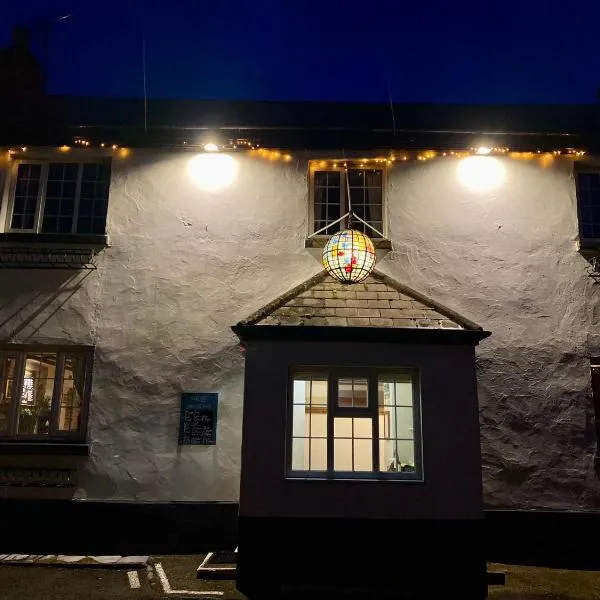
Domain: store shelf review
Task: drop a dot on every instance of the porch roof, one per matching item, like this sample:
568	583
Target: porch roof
379	302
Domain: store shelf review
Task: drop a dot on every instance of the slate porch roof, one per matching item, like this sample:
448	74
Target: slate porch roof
379	301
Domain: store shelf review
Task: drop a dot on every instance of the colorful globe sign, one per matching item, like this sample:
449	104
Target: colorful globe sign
349	256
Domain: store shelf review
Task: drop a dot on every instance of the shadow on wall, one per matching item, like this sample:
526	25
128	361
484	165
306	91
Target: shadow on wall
27	304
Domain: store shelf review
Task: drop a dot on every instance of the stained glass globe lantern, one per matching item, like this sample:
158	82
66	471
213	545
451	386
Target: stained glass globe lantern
349	256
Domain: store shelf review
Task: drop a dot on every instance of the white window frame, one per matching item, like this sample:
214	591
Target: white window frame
333	374
352	165
10	190
19	352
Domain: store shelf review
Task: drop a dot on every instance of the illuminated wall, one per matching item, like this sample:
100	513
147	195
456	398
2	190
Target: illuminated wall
185	263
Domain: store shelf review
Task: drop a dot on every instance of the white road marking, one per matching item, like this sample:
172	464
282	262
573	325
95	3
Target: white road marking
166	586
206	559
134	580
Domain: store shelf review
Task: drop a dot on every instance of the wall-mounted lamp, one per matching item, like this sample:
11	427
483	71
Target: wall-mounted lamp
212	172
481	173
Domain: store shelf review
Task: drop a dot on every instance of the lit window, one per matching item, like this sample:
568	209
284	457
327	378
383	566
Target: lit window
329	190
588	200
44	393
59	198
356	425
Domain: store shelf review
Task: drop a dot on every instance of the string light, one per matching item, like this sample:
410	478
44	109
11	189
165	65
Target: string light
367	162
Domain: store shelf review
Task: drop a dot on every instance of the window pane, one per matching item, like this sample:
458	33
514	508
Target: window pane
319	392
300	454
342	427
353	393
342	455
353	427
318	423
7	373
72	393
588	195
59	205
363	427
366	193
363	455
396	456
396	423
36	394
318	454
26	196
309	423
327	200
94	198
402	425
299	428
395	390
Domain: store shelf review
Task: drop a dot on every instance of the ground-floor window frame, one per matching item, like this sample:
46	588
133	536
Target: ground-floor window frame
50	402
353	395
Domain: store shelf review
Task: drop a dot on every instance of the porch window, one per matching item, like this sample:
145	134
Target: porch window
362	424
44	393
55	197
330	190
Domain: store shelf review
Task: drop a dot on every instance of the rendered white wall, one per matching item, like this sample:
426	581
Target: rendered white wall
184	265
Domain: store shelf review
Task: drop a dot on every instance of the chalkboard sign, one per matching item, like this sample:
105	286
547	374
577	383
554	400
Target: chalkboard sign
198	419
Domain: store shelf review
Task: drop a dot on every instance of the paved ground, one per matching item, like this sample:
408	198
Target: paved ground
35	582
91	583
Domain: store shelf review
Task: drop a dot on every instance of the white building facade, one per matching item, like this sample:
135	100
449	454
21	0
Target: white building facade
185	254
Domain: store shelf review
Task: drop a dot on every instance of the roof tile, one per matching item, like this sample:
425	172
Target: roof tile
377	302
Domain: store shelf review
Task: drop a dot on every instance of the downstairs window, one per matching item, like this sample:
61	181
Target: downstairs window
354	424
44	393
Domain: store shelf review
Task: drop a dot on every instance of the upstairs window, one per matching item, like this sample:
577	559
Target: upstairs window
588	200
54	197
44	393
360	424
330	187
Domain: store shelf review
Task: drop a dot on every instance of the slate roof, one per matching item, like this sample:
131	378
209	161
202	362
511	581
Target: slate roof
379	301
300	125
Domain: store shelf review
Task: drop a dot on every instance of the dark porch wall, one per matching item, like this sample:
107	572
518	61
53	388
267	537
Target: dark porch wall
451	454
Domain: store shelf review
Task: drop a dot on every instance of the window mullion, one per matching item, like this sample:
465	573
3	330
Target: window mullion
57	392
16	391
374	406
4	358
77	198
39	217
8	199
14	405
331	403
343	198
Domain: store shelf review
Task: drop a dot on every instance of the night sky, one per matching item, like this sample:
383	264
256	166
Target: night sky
485	51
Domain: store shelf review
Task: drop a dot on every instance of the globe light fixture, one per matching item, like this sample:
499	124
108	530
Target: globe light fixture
349	256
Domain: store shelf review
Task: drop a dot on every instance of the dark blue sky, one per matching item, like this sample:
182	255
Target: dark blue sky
438	51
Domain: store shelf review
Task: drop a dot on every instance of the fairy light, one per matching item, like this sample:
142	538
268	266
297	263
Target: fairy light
543	156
